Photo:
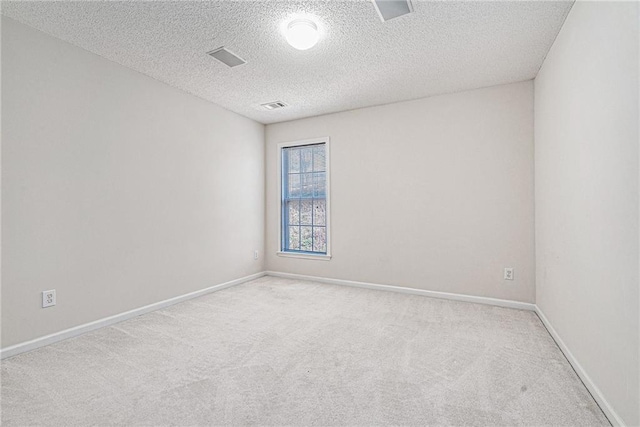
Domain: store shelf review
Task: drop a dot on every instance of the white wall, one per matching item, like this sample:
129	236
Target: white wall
433	194
0	179
586	156
117	190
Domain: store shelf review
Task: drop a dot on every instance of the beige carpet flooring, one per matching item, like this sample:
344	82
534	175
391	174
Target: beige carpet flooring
283	352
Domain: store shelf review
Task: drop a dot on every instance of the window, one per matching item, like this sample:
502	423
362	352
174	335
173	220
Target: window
304	190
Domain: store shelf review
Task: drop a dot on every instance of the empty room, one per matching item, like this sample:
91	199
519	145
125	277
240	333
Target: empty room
320	212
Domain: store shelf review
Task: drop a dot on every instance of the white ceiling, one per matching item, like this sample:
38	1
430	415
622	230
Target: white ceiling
360	61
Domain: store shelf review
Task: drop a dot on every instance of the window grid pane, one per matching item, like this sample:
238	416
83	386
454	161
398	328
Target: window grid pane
304	199
294	237
319	163
294	212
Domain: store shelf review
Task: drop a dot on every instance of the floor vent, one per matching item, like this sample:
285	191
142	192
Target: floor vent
226	57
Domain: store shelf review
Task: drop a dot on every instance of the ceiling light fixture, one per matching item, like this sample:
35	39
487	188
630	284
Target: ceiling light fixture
302	34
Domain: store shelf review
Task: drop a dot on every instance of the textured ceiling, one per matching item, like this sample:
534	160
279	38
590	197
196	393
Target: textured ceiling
359	61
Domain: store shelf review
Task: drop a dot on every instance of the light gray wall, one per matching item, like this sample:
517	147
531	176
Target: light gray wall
0	179
433	194
117	190
586	156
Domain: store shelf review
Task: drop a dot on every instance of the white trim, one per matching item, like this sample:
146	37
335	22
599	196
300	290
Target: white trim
107	321
391	288
304	255
309	141
607	409
610	413
327	142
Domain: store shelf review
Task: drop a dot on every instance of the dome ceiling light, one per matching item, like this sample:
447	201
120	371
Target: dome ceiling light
302	33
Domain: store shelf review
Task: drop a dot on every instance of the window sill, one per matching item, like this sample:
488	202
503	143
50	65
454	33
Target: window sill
304	256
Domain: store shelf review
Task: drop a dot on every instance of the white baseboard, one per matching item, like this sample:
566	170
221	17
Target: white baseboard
107	321
613	417
433	294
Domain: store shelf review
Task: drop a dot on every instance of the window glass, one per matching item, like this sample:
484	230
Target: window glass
304	188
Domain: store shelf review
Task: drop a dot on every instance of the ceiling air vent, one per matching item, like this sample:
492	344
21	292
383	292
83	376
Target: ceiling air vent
226	57
273	105
389	9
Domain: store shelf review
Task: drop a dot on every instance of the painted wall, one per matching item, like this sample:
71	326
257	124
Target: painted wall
432	194
586	157
117	190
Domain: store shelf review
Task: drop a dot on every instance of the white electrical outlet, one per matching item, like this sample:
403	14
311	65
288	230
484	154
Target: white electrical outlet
508	273
48	298
255	254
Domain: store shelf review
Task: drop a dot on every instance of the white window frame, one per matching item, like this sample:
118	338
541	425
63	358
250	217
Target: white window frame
326	140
